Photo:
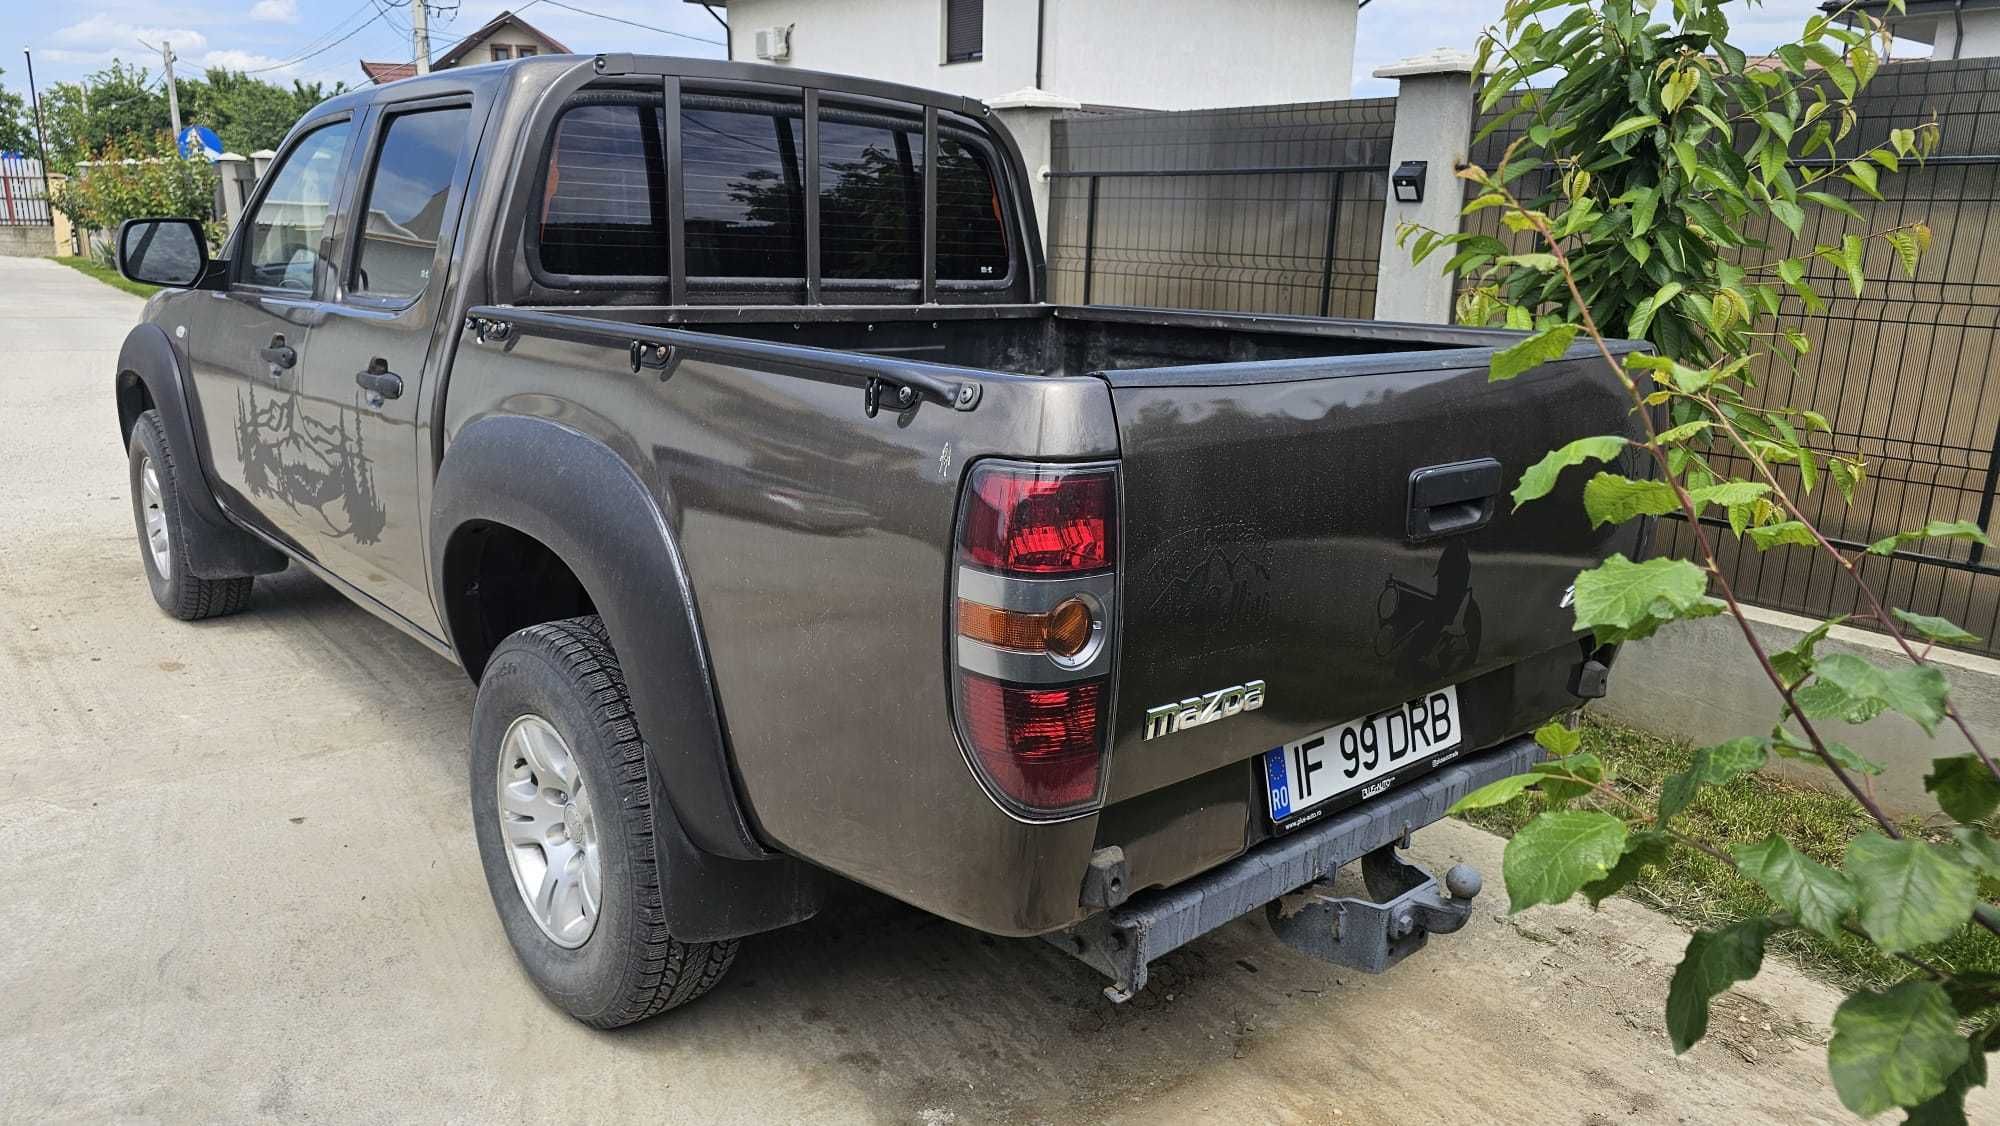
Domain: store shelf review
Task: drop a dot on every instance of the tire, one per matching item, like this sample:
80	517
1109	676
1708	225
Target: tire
157	512
621	966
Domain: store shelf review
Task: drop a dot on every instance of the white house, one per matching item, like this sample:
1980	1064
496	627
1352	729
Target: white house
1955	29
1142	54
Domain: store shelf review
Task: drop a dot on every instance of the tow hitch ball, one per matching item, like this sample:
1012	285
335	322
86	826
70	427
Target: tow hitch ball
1406	906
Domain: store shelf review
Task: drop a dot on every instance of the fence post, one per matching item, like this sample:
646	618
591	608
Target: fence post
1029	114
1434	112
1090	241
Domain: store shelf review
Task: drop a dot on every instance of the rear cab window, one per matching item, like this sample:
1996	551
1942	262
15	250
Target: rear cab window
609	201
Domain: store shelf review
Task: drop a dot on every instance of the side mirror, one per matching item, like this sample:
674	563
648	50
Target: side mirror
169	252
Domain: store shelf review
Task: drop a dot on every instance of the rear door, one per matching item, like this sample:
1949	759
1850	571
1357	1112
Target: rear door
1339	530
358	409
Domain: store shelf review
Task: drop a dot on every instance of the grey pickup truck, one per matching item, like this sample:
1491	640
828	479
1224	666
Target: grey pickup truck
712	417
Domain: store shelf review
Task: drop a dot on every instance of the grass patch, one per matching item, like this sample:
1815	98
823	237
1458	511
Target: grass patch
108	276
1703	892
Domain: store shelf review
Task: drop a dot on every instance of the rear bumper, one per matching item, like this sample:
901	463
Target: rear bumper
1120	942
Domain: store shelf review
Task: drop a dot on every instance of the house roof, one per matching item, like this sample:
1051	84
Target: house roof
389	72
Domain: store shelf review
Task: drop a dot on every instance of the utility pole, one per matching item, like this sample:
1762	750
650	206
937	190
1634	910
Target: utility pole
166	50
420	35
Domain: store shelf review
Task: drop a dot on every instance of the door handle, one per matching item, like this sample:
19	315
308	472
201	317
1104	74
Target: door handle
279	354
379	381
1448	500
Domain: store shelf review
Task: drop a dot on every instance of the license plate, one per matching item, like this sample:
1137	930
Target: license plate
1362	753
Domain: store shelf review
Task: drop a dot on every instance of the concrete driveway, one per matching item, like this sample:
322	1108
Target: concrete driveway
240	884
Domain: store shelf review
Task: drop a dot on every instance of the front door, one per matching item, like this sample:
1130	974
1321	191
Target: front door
246	343
359	392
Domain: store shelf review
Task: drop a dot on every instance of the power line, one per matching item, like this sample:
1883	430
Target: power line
363	26
631	23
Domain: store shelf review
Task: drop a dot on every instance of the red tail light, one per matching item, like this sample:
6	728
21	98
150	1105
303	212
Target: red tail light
1043	747
1040	520
1036	596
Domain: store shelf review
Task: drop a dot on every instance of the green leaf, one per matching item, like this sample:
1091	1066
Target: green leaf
1715	960
1712	766
1559	741
1979	849
1728	493
1612	499
1789	532
1641	848
1629	126
1790	214
1794	747
1557	853
1535	350
1935	530
1645	201
1816	895
1906	250
1850	259
1853	690
1536	261
1963	787
1947	1107
1935	628
1897	1047
1541	476
1833	203
1495	793
1791	270
1621	600
1794	663
1911	893
1684	431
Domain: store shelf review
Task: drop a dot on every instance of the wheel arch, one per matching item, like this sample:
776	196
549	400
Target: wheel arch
150	377
594	516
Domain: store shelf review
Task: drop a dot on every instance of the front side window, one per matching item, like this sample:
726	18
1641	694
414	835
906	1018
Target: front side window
282	244
871	198
604	204
404	215
745	198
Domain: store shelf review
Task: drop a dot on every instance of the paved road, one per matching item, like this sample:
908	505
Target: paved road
240	884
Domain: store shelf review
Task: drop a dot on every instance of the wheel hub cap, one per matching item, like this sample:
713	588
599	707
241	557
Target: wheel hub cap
159	543
549	830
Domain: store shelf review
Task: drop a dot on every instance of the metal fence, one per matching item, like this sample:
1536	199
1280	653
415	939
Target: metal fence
24	200
1263	209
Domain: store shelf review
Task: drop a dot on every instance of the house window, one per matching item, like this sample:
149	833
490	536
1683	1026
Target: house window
501	54
524	52
964	30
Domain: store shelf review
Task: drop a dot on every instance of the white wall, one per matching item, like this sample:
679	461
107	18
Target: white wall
1199	54
1982	36
1151	54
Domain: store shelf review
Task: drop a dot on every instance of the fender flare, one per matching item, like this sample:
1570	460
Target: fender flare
212	545
585	504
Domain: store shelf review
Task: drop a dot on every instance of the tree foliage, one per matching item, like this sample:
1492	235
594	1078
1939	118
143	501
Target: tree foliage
17	125
1665	150
126	105
136	181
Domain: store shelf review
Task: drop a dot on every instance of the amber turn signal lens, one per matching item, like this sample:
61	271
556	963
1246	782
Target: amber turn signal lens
1064	631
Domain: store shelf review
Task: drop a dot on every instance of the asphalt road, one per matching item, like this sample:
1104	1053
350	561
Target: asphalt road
239	883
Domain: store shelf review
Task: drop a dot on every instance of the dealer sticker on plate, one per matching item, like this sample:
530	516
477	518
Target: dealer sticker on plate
1329	763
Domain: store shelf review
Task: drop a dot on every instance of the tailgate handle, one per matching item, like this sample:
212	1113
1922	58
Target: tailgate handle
1447	500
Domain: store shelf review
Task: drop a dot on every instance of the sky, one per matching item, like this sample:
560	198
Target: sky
278	38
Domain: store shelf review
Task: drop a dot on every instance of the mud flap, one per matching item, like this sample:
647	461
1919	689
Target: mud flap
1368	935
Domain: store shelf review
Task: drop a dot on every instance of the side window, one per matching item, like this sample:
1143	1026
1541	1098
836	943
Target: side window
745	198
400	225
971	236
871	198
282	244
604	204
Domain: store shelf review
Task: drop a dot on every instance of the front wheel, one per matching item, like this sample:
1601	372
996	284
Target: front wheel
156	509
562	800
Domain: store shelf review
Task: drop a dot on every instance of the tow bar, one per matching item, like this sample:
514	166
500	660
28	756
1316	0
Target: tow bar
1372	935
1293	874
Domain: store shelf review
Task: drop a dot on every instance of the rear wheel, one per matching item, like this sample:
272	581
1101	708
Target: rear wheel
156	509
562	799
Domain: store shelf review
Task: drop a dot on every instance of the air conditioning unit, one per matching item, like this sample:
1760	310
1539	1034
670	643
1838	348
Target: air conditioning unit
774	44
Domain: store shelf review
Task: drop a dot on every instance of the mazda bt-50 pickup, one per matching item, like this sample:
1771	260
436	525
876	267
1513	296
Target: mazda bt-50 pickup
713	418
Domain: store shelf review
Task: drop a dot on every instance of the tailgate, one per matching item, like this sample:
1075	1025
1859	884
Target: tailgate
1315	524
